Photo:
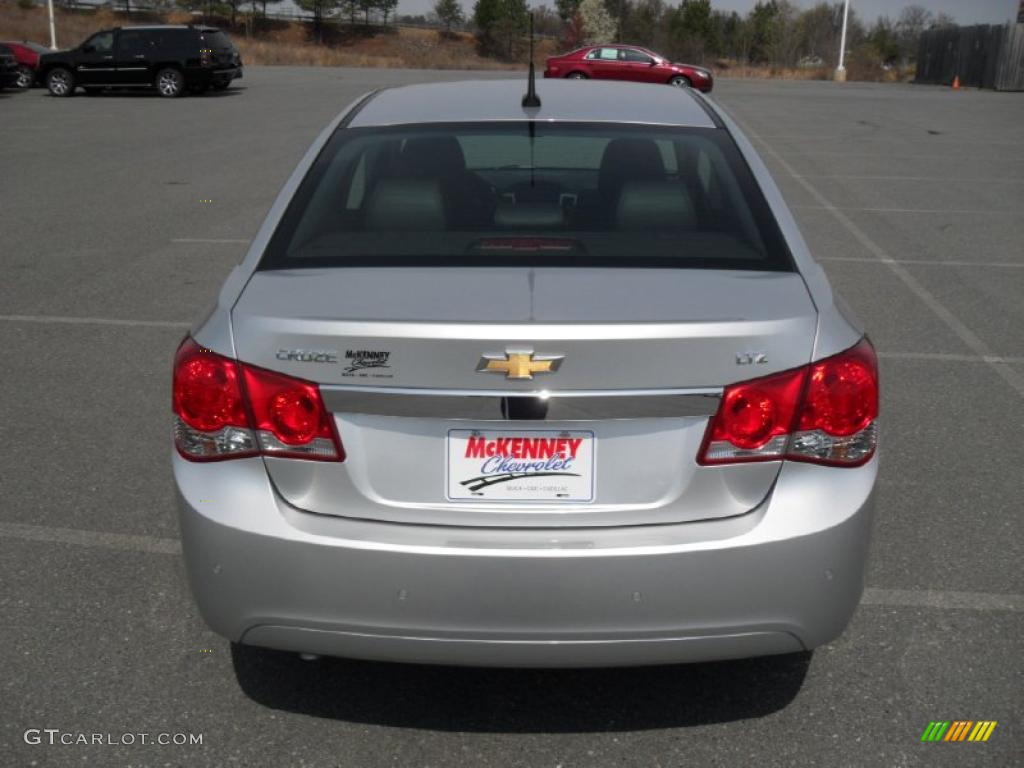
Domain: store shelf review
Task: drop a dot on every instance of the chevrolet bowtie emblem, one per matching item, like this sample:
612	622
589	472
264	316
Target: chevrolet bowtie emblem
519	363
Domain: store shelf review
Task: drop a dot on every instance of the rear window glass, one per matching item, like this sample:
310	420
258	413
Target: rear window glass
216	39
529	194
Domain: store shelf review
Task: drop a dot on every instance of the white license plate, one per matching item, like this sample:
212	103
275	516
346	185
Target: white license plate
520	465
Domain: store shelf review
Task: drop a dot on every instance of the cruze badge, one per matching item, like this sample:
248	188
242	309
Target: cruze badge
519	363
308	355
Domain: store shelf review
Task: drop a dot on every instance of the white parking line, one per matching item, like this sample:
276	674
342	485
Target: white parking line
950	601
207	240
927	262
122	541
1012	377
915	598
61	319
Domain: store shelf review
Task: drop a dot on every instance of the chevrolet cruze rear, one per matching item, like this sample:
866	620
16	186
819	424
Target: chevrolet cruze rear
527	387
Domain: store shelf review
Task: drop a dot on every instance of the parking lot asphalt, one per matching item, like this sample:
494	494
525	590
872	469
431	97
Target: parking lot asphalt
119	217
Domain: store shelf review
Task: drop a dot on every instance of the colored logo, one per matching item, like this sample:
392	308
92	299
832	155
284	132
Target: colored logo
519	363
958	730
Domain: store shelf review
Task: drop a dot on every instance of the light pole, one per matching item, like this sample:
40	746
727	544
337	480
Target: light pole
840	74
53	28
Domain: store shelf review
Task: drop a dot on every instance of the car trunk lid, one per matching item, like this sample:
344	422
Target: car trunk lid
642	354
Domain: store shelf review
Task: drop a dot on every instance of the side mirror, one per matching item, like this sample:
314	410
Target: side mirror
88	48
654	63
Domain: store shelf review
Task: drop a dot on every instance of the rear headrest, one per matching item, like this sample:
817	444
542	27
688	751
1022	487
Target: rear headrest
655	205
432	157
405	205
629	160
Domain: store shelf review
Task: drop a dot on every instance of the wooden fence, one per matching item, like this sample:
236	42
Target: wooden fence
982	56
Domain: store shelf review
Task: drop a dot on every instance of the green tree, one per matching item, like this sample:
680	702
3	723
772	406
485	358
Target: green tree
386	8
763	31
819	31
883	39
690	30
450	14
644	24
729	35
501	27
321	9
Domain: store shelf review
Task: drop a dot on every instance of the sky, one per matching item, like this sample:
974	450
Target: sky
964	11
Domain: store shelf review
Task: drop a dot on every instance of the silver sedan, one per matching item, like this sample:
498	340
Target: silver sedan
554	385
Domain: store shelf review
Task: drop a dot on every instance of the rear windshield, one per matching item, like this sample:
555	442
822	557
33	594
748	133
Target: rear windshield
216	39
528	194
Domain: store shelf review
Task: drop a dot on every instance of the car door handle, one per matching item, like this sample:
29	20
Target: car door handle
106	58
140	55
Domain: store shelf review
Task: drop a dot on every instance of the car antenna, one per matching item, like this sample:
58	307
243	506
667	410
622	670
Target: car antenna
530	98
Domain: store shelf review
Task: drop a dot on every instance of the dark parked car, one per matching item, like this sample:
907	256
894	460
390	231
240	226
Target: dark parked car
627	62
27	55
8	68
172	59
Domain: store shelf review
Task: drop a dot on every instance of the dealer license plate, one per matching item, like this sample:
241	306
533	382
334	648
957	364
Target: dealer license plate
520	465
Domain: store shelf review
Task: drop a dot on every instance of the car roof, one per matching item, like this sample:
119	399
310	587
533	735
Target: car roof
564	100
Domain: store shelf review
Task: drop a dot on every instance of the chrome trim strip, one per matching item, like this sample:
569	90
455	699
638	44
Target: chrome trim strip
537	405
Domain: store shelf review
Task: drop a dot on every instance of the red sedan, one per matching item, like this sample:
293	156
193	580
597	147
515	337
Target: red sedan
627	62
27	56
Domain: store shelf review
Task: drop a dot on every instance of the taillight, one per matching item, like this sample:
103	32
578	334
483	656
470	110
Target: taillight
289	416
228	410
824	413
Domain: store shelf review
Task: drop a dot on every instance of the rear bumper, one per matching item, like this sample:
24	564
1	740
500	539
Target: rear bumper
784	577
205	75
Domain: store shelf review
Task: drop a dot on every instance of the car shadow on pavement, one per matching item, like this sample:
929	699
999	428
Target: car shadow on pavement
149	93
520	700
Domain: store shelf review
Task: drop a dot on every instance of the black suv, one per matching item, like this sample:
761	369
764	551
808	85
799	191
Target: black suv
172	59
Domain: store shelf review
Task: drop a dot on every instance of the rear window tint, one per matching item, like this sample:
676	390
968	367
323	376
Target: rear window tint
216	39
536	194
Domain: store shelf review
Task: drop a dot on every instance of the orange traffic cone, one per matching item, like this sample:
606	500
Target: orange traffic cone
956	83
